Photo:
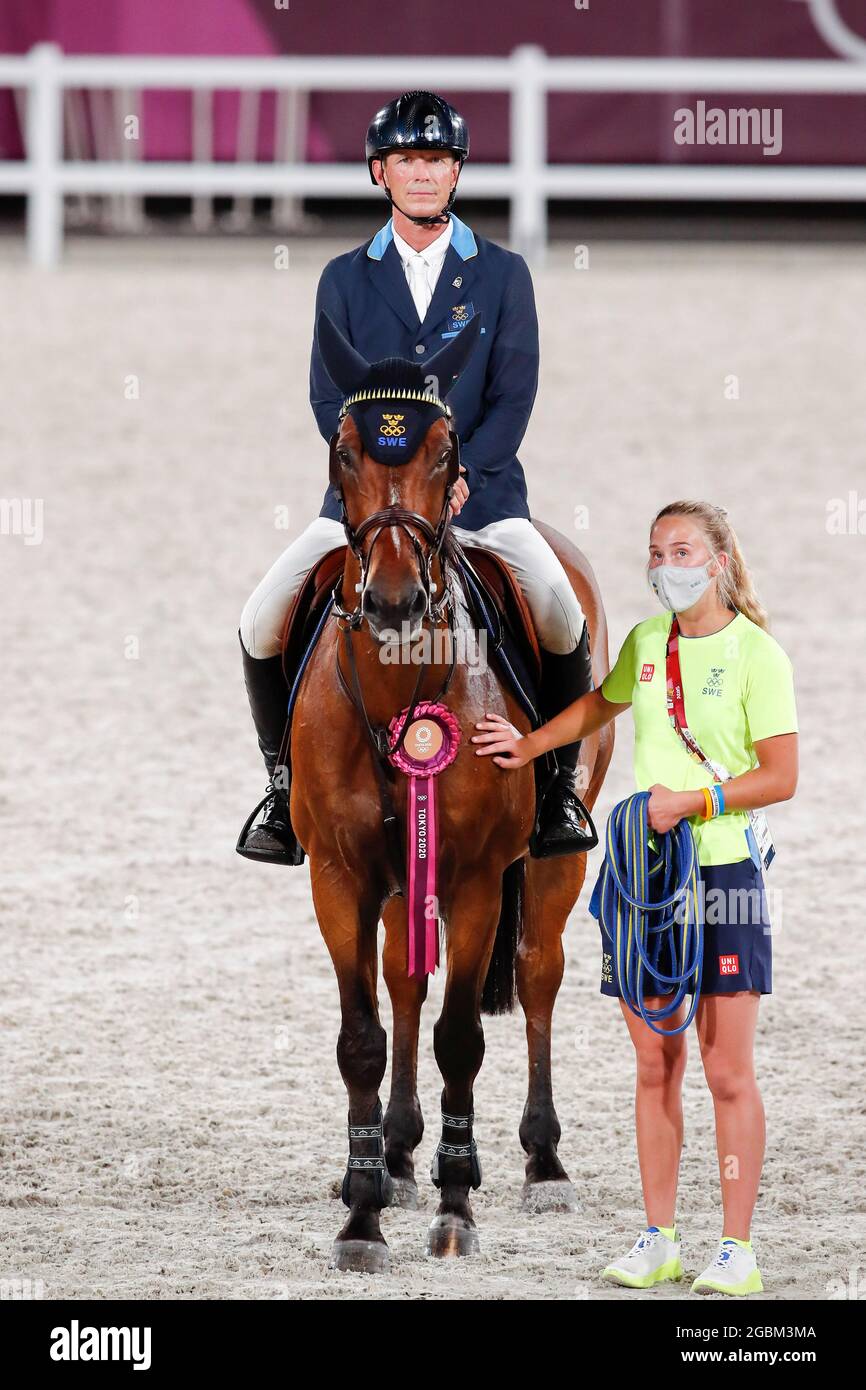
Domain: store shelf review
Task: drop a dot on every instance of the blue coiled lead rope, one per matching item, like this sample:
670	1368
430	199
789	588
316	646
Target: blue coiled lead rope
627	908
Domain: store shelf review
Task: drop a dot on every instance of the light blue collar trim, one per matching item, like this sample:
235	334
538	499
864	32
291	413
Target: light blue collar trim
381	241
461	239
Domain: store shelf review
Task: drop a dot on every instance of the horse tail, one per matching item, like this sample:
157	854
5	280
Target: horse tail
499	985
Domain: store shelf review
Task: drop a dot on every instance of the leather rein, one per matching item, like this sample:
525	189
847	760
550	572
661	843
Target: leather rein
349	622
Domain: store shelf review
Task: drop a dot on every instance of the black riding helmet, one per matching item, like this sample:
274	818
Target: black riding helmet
418	121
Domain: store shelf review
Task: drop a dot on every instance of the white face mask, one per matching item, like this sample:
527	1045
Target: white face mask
677	587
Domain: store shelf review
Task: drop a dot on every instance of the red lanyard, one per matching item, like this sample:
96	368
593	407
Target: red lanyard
674	695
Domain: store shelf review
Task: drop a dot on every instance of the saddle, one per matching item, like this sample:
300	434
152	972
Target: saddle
498	608
495	600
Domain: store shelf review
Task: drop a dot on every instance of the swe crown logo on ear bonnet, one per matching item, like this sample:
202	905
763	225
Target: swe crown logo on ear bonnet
393	423
390	424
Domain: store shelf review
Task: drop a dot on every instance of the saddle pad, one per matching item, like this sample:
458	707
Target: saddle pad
306	607
501	581
508	644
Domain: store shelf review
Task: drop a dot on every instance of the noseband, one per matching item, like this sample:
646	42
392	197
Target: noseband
400	516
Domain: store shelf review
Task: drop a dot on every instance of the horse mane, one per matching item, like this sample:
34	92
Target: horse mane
396	372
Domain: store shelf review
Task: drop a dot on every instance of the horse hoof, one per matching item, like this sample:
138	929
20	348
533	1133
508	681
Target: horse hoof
404	1193
556	1195
361	1256
451	1235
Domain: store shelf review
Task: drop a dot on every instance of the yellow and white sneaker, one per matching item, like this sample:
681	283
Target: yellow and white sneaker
652	1259
734	1270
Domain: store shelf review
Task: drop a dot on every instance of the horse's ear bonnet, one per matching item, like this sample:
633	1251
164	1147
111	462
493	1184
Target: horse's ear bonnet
394	402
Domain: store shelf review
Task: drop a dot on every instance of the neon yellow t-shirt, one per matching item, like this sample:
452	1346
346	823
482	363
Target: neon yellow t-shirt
737	689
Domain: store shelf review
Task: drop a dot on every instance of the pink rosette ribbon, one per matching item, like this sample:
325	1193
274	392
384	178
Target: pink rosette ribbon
430	745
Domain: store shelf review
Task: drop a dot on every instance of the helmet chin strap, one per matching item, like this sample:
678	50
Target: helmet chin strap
432	219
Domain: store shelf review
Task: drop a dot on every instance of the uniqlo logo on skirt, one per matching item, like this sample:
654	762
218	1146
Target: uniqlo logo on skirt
729	965
648	671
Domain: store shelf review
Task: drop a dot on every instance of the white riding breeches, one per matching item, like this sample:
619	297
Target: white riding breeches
555	609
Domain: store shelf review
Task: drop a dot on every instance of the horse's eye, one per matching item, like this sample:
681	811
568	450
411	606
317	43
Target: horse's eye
343	456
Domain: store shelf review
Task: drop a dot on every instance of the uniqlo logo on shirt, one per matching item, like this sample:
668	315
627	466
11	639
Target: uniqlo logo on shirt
729	965
647	671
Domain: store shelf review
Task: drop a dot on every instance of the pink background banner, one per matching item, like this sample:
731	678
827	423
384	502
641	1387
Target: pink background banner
596	128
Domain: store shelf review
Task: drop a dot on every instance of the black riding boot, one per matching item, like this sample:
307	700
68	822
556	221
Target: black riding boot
564	826
272	839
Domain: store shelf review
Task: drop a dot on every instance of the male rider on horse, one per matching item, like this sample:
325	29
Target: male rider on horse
403	294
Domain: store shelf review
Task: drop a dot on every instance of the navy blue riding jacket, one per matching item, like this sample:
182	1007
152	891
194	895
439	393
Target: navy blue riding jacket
366	294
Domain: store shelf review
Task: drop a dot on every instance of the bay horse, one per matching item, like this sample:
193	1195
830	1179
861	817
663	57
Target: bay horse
503	911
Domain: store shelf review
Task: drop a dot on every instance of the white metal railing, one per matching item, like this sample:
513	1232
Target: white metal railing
834	30
527	180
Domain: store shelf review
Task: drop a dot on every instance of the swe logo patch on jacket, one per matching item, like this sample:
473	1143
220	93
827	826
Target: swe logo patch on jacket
458	318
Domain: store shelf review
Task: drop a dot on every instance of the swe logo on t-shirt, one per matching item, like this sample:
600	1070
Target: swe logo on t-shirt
714	684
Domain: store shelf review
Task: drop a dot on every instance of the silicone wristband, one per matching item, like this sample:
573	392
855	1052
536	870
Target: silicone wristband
720	797
708	803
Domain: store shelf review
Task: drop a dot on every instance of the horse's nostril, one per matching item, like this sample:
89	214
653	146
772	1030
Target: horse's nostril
371	604
405	609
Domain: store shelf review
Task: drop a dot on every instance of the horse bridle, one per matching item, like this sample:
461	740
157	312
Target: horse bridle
405	519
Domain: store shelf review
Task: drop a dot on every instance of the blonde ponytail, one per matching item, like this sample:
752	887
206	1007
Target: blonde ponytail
734	582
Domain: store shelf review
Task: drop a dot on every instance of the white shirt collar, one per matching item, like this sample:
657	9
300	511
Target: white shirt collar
432	254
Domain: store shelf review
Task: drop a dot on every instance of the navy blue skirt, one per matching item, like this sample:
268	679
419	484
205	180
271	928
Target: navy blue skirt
738	952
